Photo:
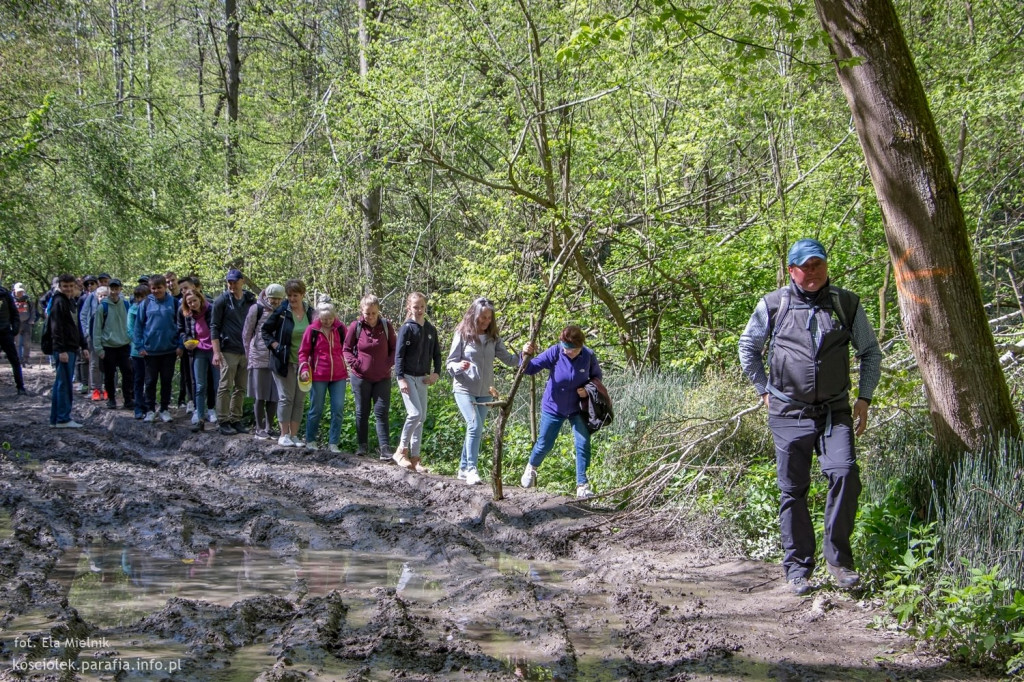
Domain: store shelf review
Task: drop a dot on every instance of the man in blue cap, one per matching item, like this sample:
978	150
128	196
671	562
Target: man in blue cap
809	327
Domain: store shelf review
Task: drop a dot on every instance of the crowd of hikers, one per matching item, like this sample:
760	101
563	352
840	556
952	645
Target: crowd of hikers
277	348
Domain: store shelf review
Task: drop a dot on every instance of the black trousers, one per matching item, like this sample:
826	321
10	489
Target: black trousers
376	392
11	350
115	359
186	386
796	440
159	367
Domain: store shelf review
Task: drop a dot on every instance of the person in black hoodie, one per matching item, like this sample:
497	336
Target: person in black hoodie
10	325
417	366
67	341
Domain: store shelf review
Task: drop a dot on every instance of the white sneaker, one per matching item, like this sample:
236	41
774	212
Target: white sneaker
472	477
150	416
211	416
285	441
583	492
462	475
529	478
333	448
190	408
165	415
311	446
195	418
68	425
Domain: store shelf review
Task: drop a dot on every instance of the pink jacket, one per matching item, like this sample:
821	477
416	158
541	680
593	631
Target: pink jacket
323	358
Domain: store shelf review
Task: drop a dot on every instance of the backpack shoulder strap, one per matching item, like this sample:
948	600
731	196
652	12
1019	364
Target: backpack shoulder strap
778	307
844	303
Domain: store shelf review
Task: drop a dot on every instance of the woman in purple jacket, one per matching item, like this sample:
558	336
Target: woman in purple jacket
370	354
571	365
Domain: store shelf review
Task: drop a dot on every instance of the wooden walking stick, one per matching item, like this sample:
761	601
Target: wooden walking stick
505	406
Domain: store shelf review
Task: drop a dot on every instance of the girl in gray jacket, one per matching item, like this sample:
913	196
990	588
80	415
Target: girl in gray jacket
471	365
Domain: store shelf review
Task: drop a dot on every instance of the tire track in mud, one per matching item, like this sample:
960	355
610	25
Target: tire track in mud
352	569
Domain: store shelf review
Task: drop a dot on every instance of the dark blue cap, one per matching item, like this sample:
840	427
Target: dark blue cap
804	250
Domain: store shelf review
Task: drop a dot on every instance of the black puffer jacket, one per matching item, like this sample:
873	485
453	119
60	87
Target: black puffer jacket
278	328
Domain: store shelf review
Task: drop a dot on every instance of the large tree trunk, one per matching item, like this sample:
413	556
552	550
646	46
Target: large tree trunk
939	295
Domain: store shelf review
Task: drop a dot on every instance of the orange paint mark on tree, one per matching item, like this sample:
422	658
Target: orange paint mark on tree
905	275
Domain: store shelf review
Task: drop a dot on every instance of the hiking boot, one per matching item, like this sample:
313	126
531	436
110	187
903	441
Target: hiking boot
285	441
240	428
529	478
844	577
67	425
150	416
96	395
165	416
472	477
798	585
583	492
401	458
420	469
226	430
112	404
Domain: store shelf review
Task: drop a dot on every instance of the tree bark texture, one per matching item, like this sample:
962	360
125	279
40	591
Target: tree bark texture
939	294
233	79
370	201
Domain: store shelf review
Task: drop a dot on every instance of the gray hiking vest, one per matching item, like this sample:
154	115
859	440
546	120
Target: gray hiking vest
809	352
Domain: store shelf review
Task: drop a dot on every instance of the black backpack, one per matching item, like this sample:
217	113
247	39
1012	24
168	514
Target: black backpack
46	343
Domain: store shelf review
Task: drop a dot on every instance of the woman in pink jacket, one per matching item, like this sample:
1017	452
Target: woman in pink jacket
321	359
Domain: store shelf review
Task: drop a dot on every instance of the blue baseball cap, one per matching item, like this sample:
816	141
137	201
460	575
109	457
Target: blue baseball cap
233	275
804	250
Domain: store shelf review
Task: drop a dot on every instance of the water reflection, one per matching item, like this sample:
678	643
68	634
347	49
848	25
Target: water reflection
115	586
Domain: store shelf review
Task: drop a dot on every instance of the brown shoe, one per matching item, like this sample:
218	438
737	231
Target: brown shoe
401	458
416	466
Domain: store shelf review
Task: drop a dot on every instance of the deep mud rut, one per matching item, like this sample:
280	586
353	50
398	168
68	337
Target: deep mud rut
143	551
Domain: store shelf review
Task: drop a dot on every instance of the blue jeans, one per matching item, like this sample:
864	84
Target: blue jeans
202	365
317	398
63	389
474	414
547	432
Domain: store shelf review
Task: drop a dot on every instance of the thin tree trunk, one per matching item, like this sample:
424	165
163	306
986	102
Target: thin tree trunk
505	406
116	56
234	67
370	202
940	298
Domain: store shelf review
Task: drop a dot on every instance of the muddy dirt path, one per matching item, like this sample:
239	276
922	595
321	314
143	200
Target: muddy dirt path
143	551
